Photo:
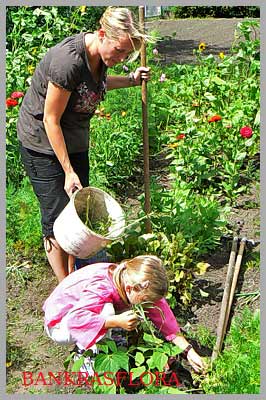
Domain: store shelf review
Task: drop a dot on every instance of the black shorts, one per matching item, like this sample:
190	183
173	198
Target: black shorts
48	179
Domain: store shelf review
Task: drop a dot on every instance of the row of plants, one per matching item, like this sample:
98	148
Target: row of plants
206	123
212	11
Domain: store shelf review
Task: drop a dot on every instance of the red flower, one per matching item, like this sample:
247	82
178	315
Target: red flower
11	102
16	95
246	132
215	118
181	136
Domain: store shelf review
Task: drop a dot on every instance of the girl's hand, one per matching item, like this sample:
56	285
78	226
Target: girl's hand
141	73
193	358
72	183
127	320
195	361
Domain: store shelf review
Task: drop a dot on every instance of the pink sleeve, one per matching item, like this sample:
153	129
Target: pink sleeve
84	319
165	323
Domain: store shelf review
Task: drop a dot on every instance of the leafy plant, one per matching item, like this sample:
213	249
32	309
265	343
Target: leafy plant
179	257
121	370
242	353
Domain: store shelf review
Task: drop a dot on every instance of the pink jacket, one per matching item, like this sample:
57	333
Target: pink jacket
82	296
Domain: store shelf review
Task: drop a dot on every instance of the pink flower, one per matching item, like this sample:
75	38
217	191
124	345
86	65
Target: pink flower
155	52
125	68
162	78
246	132
16	95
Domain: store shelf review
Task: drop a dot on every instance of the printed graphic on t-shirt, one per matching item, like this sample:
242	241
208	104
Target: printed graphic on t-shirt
88	99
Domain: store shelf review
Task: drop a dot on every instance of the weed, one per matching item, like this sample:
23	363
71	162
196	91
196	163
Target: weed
203	335
253	260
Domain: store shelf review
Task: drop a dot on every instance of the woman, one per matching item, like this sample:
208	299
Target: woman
66	88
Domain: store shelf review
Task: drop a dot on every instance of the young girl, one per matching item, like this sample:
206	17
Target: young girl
82	307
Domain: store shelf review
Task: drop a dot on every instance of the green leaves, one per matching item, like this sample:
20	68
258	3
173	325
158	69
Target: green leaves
158	360
150	339
218	80
111	362
139	358
209	96
136	372
78	364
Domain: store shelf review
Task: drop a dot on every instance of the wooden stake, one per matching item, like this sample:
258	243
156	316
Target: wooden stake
147	204
235	277
225	300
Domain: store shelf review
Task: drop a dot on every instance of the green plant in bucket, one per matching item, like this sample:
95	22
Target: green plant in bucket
98	225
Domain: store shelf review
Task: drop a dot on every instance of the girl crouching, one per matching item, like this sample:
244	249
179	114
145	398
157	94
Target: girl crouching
98	297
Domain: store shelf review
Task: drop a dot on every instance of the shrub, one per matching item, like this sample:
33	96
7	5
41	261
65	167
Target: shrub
213	11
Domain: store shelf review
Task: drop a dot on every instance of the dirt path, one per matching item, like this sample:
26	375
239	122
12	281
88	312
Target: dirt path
182	36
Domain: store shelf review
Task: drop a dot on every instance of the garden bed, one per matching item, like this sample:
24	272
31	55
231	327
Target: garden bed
33	351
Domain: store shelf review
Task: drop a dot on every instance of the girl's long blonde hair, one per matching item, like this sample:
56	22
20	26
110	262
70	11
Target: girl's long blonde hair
118	22
145	273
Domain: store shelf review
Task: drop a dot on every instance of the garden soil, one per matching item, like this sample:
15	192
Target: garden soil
29	347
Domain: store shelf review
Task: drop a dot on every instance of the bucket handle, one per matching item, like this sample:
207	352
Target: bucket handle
75	188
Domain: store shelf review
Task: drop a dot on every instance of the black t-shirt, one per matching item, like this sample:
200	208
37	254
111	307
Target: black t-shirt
67	66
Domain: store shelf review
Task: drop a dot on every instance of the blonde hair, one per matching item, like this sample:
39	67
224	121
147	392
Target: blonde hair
144	273
119	21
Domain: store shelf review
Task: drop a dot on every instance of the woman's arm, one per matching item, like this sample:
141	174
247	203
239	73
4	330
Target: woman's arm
133	79
55	104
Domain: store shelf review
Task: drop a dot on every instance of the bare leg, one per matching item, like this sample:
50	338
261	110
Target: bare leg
57	257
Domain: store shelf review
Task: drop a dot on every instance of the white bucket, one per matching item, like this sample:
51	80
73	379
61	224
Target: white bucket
71	232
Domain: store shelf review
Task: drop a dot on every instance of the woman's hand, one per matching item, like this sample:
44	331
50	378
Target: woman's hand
141	73
133	79
127	320
195	361
72	183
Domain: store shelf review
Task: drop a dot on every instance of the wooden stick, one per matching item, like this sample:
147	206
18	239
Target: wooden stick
225	300
147	204
235	277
